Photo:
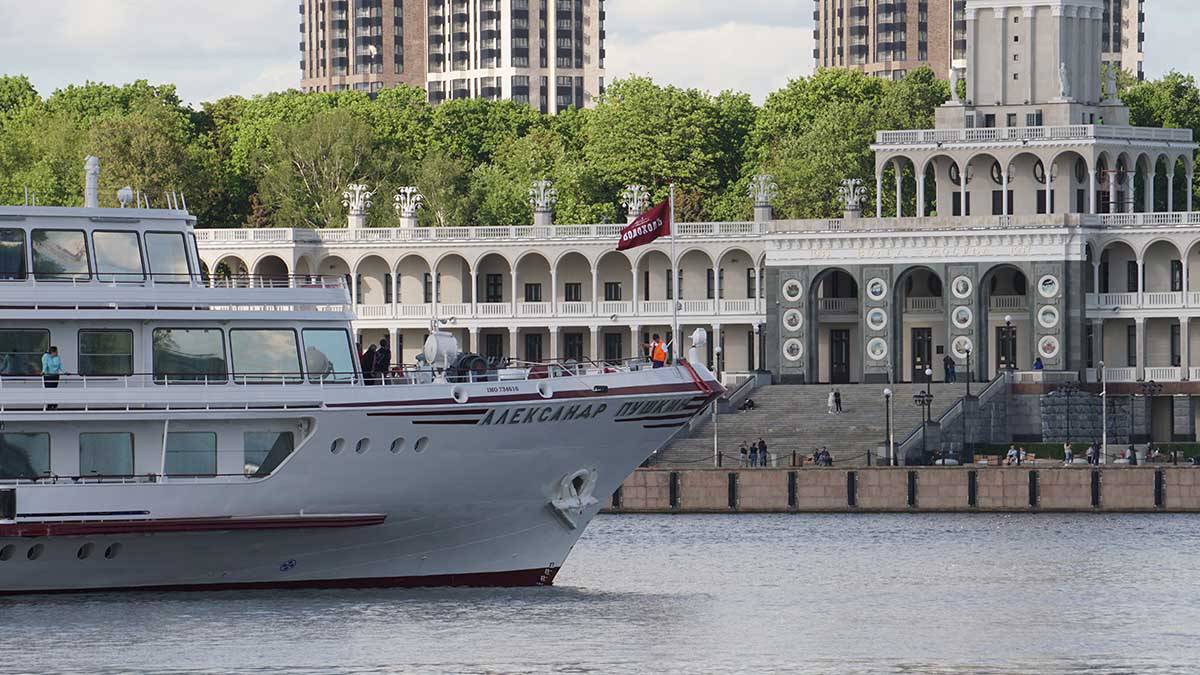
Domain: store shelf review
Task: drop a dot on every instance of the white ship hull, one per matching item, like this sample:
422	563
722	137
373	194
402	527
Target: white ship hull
480	503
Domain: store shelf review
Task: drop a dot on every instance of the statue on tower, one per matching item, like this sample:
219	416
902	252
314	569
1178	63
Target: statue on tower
1064	80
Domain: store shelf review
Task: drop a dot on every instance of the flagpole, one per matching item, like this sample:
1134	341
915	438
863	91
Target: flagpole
675	341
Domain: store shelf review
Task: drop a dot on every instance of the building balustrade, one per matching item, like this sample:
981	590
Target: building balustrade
837	306
622	309
932	304
1074	132
1172	300
1008	302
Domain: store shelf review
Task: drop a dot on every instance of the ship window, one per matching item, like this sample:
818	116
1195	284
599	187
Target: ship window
60	255
263	356
191	453
106	454
265	451
118	256
106	352
189	355
24	455
12	254
168	257
21	351
327	355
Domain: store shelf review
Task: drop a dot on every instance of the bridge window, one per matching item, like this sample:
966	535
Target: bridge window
106	352
266	450
21	351
263	356
24	455
189	355
168	257
60	255
328	356
118	256
106	454
191	453
12	254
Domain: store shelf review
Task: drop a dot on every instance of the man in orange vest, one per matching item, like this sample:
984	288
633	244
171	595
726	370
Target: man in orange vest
658	353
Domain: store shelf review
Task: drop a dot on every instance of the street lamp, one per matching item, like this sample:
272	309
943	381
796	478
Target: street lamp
924	399
887	421
1103	417
1149	389
968	373
1008	339
1067	389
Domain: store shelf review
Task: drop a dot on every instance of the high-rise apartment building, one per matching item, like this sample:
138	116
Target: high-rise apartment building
888	38
547	53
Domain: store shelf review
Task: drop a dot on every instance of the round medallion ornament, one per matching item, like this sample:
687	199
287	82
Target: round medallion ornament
962	317
793	319
877	289
793	349
1048	347
793	290
961	345
877	349
1048	316
961	287
877	319
1048	286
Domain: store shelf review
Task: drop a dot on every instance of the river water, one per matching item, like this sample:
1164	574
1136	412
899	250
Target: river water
774	593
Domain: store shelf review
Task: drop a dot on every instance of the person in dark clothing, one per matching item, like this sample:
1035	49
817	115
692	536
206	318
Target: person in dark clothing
743	456
753	455
837	400
367	361
948	367
383	361
762	452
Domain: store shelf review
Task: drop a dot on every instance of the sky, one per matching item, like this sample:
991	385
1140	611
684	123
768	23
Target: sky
214	48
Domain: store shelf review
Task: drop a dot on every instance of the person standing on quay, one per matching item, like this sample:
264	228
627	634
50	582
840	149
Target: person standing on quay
762	452
743	455
829	402
1068	455
948	367
753	455
837	400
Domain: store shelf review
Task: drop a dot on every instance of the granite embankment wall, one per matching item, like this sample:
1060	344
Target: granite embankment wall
924	489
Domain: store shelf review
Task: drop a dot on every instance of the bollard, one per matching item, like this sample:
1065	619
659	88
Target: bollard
720	459
733	490
674	493
972	489
1160	489
1033	489
616	498
912	489
1095	488
852	489
793	458
792	501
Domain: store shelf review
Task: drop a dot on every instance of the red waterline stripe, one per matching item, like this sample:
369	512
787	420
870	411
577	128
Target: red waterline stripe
509	579
79	528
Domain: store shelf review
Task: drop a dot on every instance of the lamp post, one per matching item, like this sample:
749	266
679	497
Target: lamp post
968	373
1011	360
924	399
1067	389
887	421
1103	417
1149	389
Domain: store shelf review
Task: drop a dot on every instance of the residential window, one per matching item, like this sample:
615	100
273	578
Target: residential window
1131	276
1175	352
264	451
24	455
60	255
118	256
646	286
1176	276
751	291
265	356
1103	274
106	352
670	284
328	356
533	292
495	288
12	254
493	345
106	454
1131	345
167	253
21	351
189	355
387	289
427	288
709	280
612	291
573	346
573	291
191	453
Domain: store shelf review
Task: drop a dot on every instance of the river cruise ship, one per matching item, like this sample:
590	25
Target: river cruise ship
219	433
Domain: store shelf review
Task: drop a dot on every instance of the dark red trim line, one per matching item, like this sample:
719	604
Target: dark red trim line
83	528
515	578
534	396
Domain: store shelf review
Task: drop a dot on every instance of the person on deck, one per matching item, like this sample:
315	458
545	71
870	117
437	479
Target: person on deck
753	455
52	369
367	361
383	361
658	351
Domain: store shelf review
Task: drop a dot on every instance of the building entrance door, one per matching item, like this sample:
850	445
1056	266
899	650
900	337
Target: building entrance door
1006	347
533	347
839	356
613	350
922	353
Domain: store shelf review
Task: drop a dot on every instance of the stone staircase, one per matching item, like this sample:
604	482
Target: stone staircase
794	417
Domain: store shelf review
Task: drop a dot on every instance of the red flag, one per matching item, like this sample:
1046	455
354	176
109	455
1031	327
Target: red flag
655	222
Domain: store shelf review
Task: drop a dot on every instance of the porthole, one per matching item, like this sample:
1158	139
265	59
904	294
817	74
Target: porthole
793	350
877	349
421	444
877	319
397	446
793	290
459	394
962	317
35	551
363	445
112	551
337	446
84	551
1048	316
877	289
7	552
961	287
961	345
793	319
1048	286
1048	347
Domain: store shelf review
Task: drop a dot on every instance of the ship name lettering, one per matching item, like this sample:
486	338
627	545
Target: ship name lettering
543	414
639	408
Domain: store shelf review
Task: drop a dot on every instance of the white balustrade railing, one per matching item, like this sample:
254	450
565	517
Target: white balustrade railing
414	311
748	306
575	309
375	311
838	305
533	309
1159	299
1121	374
652	307
697	307
1163	374
1008	302
602	231
1112	299
1194	373
610	307
1074	132
495	309
447	310
923	304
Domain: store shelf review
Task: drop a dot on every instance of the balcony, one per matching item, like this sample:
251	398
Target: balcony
1077	132
624	310
1145	300
931	305
838	306
1001	303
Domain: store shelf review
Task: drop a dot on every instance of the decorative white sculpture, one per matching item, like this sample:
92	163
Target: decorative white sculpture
357	198
1064	80
542	197
954	85
852	193
407	201
1111	76
763	189
635	199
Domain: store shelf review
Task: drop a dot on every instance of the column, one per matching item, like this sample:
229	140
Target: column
1092	190
637	306
1004	189
514	334
1112	191
962	187
1171	189
395	290
595	344
595	287
1188	188
1141	272
353	289
1148	193
1140	324
514	290
554	291
1097	343
714	339
1185	353
757	284
899	189
635	346
553	343
473	331
1096	276
754	355
879	193
1129	198
437	291
474	300
397	357
921	195
717	288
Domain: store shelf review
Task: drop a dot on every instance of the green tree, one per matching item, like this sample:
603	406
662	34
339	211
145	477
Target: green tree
16	92
445	182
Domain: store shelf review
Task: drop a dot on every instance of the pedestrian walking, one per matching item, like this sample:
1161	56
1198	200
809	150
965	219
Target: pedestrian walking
837	400
1091	454
762	452
829	402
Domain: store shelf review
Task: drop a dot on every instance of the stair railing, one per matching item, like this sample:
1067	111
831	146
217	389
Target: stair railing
915	438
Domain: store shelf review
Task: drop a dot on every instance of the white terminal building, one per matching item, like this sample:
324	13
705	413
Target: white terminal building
1031	223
